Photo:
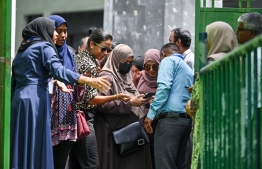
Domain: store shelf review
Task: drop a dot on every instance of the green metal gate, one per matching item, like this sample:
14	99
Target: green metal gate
5	64
230	134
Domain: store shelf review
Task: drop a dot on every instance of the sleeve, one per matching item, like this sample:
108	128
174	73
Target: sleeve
117	107
85	64
164	81
55	67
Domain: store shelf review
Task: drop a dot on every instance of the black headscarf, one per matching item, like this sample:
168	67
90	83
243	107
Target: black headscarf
40	29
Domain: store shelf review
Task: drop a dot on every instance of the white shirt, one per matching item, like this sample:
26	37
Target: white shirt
189	58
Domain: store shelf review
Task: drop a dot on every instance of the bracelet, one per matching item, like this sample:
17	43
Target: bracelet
116	97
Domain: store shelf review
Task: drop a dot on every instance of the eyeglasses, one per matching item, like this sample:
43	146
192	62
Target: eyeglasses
103	48
242	29
148	67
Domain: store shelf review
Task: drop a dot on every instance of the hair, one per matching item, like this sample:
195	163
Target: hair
252	21
82	42
90	31
183	35
114	44
98	35
170	48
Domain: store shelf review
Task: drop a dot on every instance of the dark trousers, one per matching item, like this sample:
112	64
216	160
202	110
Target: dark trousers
83	154
60	153
171	138
189	149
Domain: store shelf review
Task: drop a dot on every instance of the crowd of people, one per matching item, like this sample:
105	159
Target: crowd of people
48	77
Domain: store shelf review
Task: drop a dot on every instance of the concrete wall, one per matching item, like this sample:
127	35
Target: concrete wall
145	24
26	8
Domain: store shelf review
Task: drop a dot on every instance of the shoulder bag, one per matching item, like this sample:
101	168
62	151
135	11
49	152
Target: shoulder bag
130	138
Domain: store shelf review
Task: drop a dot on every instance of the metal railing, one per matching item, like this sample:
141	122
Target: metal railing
229	103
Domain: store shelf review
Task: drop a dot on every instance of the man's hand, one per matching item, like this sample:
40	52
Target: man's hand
147	125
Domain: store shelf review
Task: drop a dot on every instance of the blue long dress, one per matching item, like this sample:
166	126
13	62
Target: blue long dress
31	145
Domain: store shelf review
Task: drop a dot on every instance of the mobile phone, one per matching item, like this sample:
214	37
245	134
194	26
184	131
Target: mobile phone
186	87
149	95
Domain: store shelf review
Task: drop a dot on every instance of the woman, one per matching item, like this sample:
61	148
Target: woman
148	80
118	113
84	151
147	84
33	66
221	39
63	112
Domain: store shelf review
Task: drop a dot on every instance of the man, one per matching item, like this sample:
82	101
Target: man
167	50
250	26
174	126
182	38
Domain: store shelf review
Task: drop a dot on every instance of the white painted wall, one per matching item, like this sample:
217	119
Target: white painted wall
48	7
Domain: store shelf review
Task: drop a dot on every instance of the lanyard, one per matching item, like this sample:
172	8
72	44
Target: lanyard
178	55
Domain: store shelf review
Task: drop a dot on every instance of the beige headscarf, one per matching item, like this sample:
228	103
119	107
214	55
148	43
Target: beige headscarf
221	39
122	83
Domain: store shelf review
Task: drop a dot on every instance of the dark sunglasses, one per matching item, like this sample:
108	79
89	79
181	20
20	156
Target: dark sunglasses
148	67
103	48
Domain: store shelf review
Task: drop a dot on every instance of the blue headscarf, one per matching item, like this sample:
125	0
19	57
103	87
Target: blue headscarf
65	57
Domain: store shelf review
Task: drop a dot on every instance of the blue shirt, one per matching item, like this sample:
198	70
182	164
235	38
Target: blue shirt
171	96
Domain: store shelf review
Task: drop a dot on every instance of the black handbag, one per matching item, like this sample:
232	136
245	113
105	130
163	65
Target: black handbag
130	138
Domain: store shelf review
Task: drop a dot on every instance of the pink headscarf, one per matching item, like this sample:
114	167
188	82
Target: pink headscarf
146	83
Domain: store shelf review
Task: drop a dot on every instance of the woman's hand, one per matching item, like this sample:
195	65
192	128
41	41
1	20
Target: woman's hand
63	87
123	97
138	100
99	83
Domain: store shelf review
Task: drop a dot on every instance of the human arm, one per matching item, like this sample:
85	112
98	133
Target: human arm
54	66
98	100
115	106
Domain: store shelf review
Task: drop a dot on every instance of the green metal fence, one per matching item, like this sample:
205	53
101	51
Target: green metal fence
231	122
227	131
5	64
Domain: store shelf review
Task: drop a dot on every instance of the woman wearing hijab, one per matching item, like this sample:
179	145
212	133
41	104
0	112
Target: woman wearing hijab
147	84
83	153
32	68
148	80
63	111
118	113
221	39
